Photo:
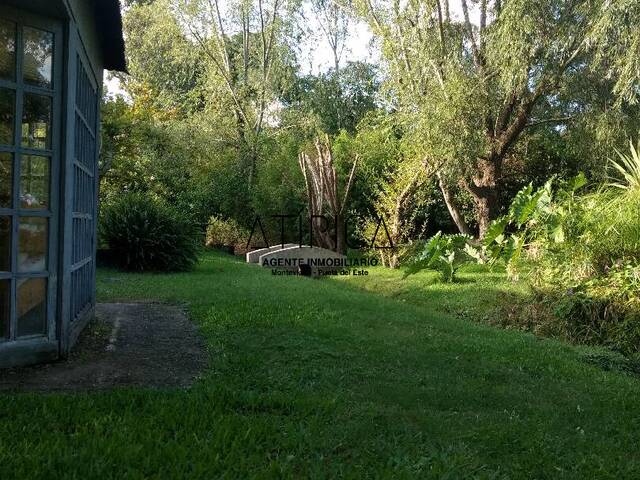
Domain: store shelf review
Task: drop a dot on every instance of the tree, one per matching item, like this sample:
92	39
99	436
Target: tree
335	100
167	74
244	46
325	195
617	41
472	91
334	23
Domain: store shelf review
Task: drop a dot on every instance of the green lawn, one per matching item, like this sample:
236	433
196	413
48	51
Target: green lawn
351	377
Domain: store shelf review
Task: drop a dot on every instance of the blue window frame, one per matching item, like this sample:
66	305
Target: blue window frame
30	102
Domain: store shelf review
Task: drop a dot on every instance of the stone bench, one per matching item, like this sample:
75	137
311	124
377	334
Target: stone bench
319	259
254	255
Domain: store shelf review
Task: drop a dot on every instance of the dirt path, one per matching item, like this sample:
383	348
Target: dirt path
136	344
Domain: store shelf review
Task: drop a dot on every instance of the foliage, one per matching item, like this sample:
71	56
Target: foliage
444	253
591	282
617	41
627	168
601	309
218	107
471	94
160	58
144	234
538	216
582	252
279	188
225	233
377	145
336	100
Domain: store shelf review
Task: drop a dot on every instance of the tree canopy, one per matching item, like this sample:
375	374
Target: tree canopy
471	100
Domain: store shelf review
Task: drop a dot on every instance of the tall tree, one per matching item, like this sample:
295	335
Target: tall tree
244	45
334	24
165	68
333	21
471	90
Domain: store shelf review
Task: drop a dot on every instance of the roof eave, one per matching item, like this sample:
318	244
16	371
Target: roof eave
110	31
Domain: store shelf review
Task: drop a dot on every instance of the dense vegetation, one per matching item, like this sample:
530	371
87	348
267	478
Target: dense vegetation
477	121
456	119
578	249
145	234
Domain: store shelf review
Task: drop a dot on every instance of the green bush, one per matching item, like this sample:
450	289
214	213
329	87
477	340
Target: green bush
227	233
537	220
583	255
144	234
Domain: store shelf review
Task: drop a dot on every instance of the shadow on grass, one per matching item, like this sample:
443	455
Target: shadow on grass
370	371
460	281
478	291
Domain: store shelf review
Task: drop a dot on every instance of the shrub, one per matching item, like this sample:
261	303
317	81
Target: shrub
144	234
227	233
444	253
627	169
585	254
537	220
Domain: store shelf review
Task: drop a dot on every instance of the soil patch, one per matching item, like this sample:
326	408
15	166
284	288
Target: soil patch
128	344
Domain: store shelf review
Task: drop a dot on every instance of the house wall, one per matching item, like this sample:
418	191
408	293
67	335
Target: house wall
78	131
84	20
84	77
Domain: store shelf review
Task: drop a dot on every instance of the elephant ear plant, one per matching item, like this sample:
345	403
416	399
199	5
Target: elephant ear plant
535	216
443	253
538	217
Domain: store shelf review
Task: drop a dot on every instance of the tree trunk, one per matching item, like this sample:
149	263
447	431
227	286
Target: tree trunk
486	207
452	206
341	246
243	145
484	191
252	161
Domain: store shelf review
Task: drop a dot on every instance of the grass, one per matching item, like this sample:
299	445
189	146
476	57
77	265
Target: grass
343	377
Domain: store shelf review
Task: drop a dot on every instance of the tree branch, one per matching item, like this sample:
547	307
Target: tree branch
535	123
474	47
347	188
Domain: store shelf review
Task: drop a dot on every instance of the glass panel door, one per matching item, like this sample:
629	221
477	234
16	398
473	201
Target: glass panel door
28	149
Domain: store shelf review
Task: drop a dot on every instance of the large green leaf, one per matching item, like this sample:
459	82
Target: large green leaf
577	182
519	201
495	230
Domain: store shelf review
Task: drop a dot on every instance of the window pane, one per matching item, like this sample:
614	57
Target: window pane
7	50
32	244
6	179
5	307
7	115
36	121
34	181
38	56
32	306
5	244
